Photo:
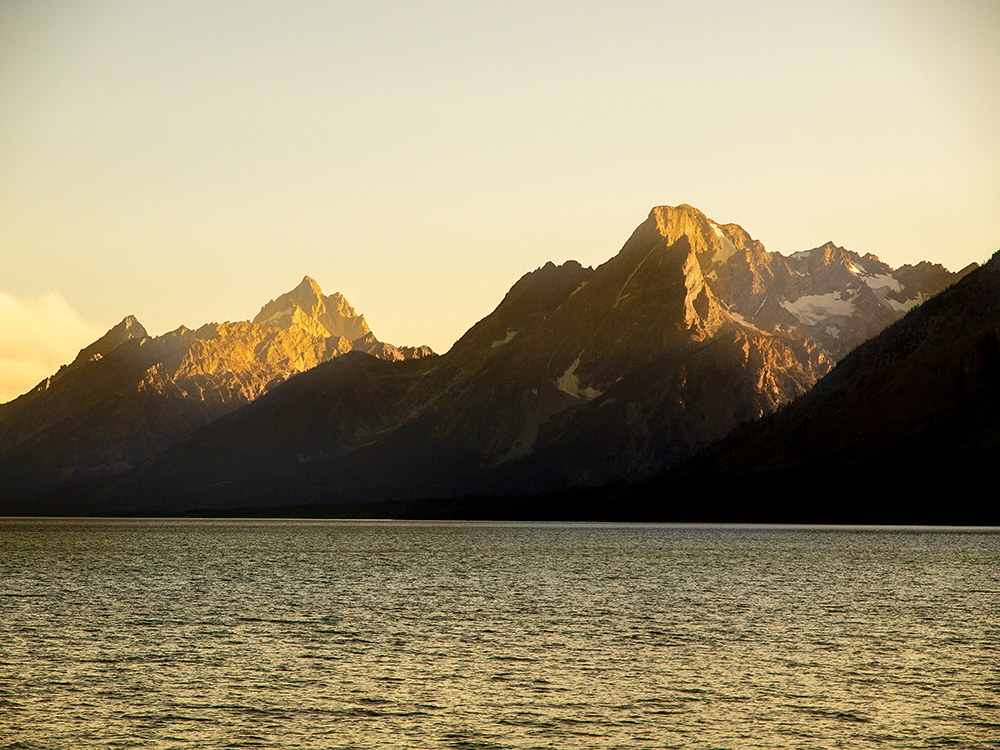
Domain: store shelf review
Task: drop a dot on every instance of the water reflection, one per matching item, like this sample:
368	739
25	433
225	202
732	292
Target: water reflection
376	634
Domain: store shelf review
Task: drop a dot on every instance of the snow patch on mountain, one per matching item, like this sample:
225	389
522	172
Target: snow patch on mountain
857	270
903	307
743	321
726	250
884	281
815	308
570	383
280	314
501	342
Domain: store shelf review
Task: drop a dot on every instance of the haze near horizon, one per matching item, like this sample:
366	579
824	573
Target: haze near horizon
186	163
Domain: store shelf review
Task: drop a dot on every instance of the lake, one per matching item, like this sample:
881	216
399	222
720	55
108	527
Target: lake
382	634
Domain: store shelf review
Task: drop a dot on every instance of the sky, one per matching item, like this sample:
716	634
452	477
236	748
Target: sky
186	162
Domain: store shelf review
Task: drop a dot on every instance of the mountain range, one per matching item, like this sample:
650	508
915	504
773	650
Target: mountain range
580	377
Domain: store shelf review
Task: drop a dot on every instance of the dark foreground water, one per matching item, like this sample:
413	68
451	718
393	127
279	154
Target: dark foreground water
334	634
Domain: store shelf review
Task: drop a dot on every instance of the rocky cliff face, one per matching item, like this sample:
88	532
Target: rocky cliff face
307	308
129	395
828	294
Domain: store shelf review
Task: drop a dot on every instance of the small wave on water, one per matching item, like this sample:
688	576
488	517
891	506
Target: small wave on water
284	634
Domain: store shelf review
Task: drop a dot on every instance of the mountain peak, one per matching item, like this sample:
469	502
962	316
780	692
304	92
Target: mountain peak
705	234
307	294
307	302
128	328
309	284
674	221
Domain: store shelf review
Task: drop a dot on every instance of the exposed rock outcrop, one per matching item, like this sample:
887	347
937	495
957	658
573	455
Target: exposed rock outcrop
828	294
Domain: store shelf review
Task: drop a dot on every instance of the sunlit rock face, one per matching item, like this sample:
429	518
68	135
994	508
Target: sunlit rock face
129	395
828	294
307	307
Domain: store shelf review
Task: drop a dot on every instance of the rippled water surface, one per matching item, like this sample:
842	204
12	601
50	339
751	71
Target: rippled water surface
336	634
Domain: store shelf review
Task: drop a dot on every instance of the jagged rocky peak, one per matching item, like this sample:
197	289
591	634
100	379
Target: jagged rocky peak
132	327
665	225
545	288
830	254
674	222
713	243
926	278
371	345
306	304
129	328
828	293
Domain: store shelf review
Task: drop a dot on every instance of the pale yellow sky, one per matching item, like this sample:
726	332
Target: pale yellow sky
185	162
